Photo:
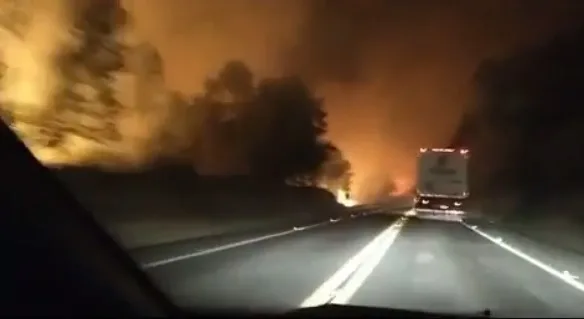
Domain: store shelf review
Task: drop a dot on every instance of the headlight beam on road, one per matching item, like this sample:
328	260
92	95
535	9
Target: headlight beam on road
341	286
174	259
564	276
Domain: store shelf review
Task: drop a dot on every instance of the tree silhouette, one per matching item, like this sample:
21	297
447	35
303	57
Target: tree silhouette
286	124
273	131
336	172
219	133
233	84
525	122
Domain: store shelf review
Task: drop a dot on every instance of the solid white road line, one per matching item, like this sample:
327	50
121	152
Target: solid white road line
343	295
228	246
326	292
565	277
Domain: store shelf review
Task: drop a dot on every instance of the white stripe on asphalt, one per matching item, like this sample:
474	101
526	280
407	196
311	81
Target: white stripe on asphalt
229	246
345	294
326	292
565	277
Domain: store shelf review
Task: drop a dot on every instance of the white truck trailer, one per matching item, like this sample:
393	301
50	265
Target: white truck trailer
442	183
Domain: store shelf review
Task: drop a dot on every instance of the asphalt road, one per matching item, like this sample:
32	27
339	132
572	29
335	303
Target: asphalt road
375	260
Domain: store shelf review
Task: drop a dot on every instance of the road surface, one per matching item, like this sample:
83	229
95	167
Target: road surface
376	260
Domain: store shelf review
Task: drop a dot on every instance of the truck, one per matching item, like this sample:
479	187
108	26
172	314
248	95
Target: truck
442	183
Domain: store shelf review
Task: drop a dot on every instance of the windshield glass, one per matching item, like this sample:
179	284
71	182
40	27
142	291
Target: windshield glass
272	155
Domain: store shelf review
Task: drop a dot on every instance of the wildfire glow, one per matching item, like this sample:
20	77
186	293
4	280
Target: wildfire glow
343	198
402	185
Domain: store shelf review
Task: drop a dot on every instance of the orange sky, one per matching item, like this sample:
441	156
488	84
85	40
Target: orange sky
395	74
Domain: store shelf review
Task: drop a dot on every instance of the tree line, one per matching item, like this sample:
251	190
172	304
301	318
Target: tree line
270	129
526	124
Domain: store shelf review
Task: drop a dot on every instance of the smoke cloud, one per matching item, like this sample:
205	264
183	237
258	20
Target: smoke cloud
396	75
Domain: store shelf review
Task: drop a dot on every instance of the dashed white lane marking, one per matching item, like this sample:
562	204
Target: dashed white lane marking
563	276
355	271
229	246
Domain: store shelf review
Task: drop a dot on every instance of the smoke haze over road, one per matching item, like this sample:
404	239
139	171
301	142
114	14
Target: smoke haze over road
396	75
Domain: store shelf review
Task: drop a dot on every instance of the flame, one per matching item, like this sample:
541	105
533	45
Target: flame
343	198
402	186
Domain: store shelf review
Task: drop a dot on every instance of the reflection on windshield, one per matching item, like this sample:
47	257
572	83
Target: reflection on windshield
276	155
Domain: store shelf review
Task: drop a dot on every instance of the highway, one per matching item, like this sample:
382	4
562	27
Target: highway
377	260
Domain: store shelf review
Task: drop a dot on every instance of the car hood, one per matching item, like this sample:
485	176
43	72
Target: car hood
340	311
